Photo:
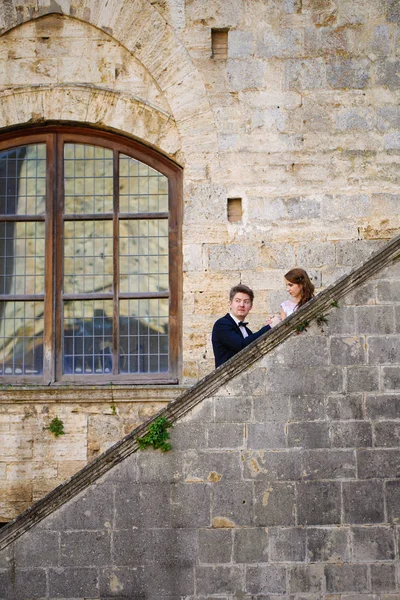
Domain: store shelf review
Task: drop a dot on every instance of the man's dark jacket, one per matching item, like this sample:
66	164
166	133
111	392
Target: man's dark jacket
227	339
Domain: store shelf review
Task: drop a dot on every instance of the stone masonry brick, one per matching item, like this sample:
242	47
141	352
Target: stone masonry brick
250	545
373	543
85	582
375	319
347	350
391	378
287	545
306	579
387	434
219	580
308	435
382	350
266	436
232	504
345	407
328	544
378	463
351	434
268	579
382	406
392	489
363	502
362	379
332	464
215	545
318	503
275	504
307	408
346	578
383	577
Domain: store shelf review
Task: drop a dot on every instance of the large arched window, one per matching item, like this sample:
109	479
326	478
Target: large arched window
90	259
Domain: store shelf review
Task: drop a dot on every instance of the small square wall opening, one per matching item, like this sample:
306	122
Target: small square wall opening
235	211
219	44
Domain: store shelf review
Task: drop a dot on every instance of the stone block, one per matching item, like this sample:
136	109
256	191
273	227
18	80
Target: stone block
307	408
305	74
363	502
348	73
324	41
190	505
345	407
26	549
232	505
6	591
240	44
351	435
316	254
250	545
397	318
318	503
328	544
310	351
186	436
267	436
153	466
346	578
28	583
245	74
342	321
382	406
362	379
306	579
274	407
219	580
211	466
384	350
233	409
93	509
347	350
373	544
145	505
378	463
79	582
130	582
308	435
354	253
173	546
125	471
215	545
286	44
391	378
272	466
383	578
268	579
275	504
392	141
132	547
387	434
329	464
392	490
375	319
85	548
387	73
168	580
306	379
287	545
225	435
355	120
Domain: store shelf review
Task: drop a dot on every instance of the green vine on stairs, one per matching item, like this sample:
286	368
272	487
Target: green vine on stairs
157	435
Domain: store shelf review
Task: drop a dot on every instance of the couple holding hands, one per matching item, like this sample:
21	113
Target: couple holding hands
230	333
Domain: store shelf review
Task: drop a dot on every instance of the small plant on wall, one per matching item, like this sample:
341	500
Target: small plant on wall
157	435
56	427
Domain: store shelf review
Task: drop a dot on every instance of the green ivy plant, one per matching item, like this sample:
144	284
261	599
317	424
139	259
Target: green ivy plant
56	427
303	326
157	435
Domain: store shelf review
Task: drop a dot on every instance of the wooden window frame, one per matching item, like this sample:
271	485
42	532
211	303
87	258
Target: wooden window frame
55	136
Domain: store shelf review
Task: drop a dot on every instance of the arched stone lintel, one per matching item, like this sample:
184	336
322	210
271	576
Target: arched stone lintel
96	106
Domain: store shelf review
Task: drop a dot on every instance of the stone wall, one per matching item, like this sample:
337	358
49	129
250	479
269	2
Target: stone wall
283	484
301	122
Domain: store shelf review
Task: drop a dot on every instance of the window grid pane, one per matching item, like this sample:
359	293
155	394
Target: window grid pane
88	337
141	188
21	338
22	257
23	180
143	338
88	179
143	261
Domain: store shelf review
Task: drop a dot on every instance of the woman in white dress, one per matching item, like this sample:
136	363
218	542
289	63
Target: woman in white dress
300	289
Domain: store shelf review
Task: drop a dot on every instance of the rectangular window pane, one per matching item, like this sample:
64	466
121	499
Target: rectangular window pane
141	188
143	338
88	256
88	337
143	256
21	338
88	179
22	257
23	180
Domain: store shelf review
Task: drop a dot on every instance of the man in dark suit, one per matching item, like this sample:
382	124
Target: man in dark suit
230	333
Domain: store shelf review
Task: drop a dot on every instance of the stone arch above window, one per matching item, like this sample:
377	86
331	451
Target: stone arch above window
90	259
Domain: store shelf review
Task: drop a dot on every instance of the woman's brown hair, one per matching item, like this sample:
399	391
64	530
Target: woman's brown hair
300	277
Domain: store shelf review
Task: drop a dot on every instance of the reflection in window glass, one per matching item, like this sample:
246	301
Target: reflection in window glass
22	257
88	337
23	180
141	188
21	338
143	336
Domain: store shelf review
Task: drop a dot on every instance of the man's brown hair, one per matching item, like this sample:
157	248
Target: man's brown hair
241	289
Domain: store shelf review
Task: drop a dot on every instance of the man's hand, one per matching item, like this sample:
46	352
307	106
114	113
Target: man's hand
274	320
